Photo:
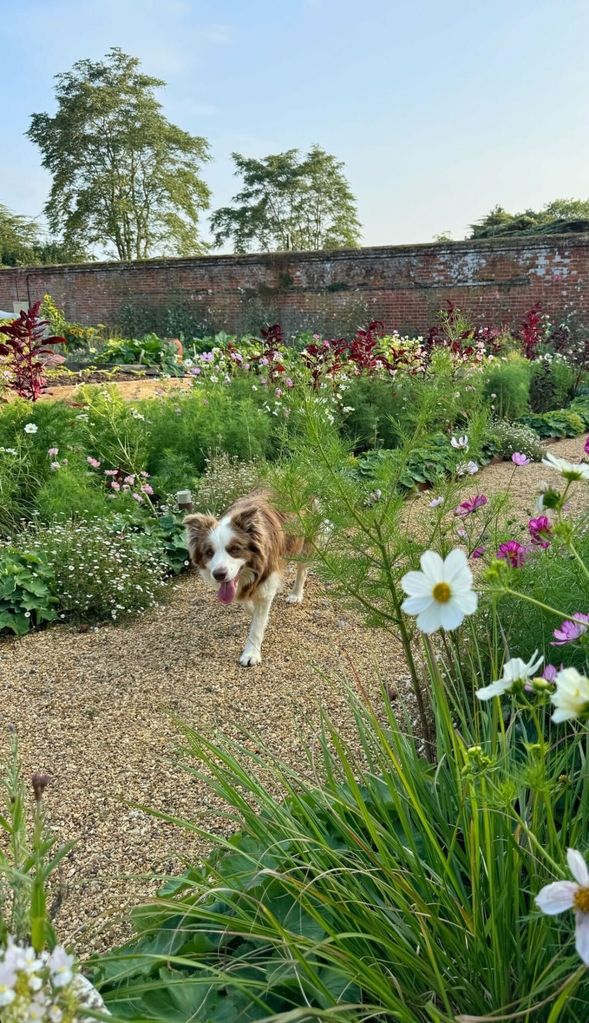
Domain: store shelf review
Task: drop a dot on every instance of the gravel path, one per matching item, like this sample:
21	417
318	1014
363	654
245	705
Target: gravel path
95	710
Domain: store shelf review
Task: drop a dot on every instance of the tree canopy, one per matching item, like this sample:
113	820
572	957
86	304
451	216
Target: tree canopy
289	202
123	175
22	243
558	216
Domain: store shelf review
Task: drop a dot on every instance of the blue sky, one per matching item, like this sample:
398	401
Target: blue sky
439	108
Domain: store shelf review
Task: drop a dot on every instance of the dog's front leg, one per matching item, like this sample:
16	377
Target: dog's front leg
262	602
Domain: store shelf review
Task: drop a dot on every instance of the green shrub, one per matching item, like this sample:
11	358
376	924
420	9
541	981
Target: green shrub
561	423
507	386
149	350
97	574
505	438
26	584
224	480
552	384
71	492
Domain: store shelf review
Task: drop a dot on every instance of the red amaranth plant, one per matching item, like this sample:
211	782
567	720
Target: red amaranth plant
26	352
531	332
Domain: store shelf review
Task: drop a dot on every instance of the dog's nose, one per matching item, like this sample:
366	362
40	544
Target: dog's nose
220	574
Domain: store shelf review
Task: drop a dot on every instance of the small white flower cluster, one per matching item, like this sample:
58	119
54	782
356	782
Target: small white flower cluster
224	480
99	575
43	988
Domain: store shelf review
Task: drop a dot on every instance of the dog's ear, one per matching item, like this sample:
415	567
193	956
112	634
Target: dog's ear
248	521
197	527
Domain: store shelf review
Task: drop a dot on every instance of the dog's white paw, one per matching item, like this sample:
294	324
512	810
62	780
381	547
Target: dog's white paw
294	598
250	657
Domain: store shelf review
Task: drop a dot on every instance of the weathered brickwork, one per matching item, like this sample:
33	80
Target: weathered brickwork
494	281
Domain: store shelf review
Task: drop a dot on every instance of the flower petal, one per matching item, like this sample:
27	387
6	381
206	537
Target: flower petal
429	620
432	566
416	584
414	605
582	936
451	615
494	689
456	565
556	897
578	867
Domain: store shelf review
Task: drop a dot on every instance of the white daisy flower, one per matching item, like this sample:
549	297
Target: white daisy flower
514	670
571	696
569	470
562	895
441	594
31	428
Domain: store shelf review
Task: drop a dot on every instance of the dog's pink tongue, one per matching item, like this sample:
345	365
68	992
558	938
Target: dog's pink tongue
226	592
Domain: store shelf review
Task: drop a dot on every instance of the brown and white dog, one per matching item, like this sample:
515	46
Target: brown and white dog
244	554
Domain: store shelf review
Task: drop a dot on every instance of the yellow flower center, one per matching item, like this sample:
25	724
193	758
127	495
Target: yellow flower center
442	593
582	900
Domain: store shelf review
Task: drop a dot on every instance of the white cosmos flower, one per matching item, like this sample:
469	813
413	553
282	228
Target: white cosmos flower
460	443
562	895
514	670
569	470
441	594
571	696
31	428
61	966
7	982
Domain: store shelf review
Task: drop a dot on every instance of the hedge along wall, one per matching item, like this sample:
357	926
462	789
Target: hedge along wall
496	281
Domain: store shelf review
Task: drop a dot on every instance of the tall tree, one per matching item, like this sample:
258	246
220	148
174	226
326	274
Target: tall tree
22	243
289	202
123	175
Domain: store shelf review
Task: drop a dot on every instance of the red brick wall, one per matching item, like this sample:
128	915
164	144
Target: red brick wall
494	281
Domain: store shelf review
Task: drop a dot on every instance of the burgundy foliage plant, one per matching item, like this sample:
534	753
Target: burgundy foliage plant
26	352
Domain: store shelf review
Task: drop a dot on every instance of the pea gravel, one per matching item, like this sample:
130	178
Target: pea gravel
96	710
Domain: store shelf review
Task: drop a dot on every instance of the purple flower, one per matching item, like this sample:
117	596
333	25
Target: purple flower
540	531
206	357
478	552
437	501
550	672
586	446
288	383
471	505
518	459
513	552
195	371
93	462
278	392
571	630
264	361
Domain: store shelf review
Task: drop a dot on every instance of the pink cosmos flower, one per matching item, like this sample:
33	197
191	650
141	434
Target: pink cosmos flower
147	489
138	498
471	505
540	531
52	452
586	446
115	485
478	552
93	462
111	472
570	631
518	459
513	552
278	393
130	480
550	672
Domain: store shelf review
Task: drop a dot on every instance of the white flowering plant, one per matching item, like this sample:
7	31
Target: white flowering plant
39	980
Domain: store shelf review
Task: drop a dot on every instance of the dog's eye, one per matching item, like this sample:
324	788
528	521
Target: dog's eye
233	550
209	553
